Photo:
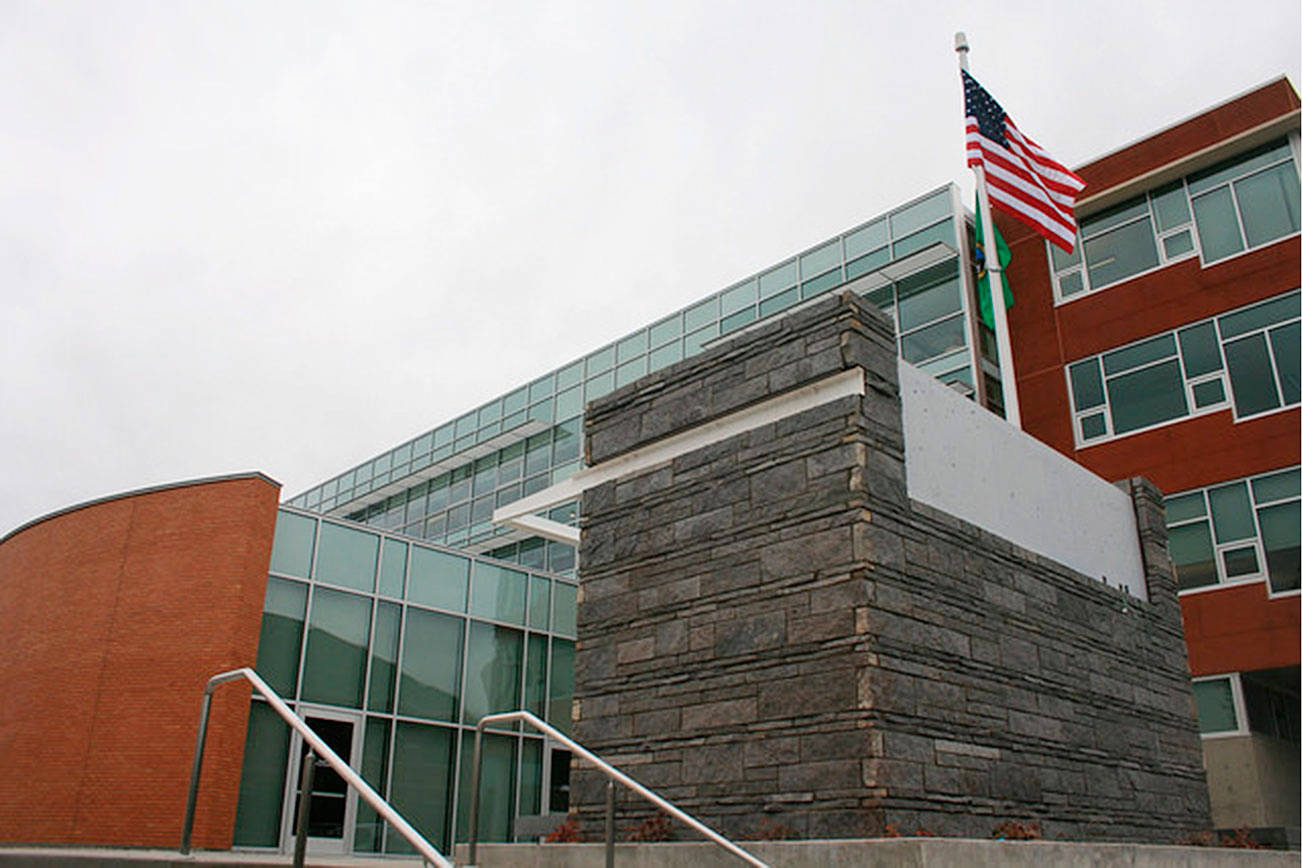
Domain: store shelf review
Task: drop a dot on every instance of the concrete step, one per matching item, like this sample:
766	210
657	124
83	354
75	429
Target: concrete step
875	853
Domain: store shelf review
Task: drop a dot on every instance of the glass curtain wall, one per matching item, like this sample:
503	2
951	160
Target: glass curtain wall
454	506
416	643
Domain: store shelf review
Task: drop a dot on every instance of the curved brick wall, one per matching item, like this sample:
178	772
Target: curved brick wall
114	614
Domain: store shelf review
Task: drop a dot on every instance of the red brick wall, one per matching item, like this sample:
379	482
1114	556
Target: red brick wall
1239	630
115	614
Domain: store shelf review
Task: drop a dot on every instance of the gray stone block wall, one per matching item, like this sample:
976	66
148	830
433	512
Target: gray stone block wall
772	635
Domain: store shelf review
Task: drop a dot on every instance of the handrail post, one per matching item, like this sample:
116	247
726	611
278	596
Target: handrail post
610	823
305	778
472	828
193	799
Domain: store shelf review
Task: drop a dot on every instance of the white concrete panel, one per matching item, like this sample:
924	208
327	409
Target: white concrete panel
964	460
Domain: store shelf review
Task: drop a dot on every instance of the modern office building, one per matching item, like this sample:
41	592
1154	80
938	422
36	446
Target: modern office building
393	613
1167	346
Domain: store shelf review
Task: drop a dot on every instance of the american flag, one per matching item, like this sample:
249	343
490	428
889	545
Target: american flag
1021	177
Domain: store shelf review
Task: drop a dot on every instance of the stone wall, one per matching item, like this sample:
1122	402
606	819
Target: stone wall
775	637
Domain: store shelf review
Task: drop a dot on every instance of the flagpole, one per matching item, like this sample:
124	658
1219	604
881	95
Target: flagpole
994	268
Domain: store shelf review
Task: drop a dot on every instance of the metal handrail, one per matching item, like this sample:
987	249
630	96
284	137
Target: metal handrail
604	767
372	798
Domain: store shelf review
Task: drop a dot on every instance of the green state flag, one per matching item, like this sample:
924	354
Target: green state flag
983	276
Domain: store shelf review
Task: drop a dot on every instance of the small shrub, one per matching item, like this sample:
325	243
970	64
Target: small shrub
566	833
1015	830
1242	839
892	832
657	828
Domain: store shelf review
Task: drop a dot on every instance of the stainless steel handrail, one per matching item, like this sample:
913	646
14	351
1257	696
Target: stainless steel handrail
604	767
372	798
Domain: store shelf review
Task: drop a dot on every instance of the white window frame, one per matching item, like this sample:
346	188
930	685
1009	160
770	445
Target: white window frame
1262	575
1240	707
1222	374
1160	236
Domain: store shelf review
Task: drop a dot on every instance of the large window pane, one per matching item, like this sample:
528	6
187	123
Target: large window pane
927	237
1201	351
496	787
1147	397
262	781
282	634
375	760
1120	253
494	658
1280	536
348	557
438	579
1218	228
1268	202
565	611
384	658
1192	555
928	296
1284	343
1277	486
934	340
421	786
1231	512
431	665
393	568
1268	313
920	214
1171	206
540	602
1135	355
1215	706
335	667
560	693
497	593
535	676
291	552
1086	384
1251	378
1185	507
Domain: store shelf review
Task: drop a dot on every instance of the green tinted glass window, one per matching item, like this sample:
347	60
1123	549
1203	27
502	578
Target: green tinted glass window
822	283
701	314
738	297
430	684
291	553
516	401
1281	526
1086	384
1192	555
666	330
560	693
665	356
438	579
815	262
282	634
870	238
262	781
334	668
422	783
369	837
1231	512
922	302
1185	507
1218	228
777	279
934	340
1171	206
1202	354
569	375
927	237
919	214
565	608
496	787
1237	166
630	371
697	340
569	403
1251	378
781	301
531	777
540	602
1215	706
1268	313
1277	486
535	676
1139	354
393	568
1268	202
1121	253
601	360
347	557
866	263
494	660
497	593
601	384
1286	345
1146	397
384	658
631	346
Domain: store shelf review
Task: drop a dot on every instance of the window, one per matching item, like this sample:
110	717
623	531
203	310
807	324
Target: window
1236	703
1239	204
1249	358
1220	703
1245	530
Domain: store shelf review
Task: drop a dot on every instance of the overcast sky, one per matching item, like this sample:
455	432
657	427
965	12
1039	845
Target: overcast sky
286	236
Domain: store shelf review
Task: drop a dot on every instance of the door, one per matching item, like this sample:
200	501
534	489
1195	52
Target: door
332	808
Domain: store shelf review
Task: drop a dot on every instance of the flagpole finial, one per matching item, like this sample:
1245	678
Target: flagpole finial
960	42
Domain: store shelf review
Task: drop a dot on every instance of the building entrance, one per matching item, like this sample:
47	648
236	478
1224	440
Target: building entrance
333	807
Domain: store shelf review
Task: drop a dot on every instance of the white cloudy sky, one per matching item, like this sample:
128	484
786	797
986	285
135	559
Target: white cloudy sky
285	236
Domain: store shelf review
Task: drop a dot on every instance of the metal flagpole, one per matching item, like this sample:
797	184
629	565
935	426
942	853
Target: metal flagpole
994	269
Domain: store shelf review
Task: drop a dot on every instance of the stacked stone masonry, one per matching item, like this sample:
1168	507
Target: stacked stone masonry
776	638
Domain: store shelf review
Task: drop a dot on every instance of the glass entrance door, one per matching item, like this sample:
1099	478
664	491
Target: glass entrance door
333	804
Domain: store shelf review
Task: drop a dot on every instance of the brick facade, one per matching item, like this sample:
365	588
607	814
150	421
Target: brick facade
115	615
773	635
